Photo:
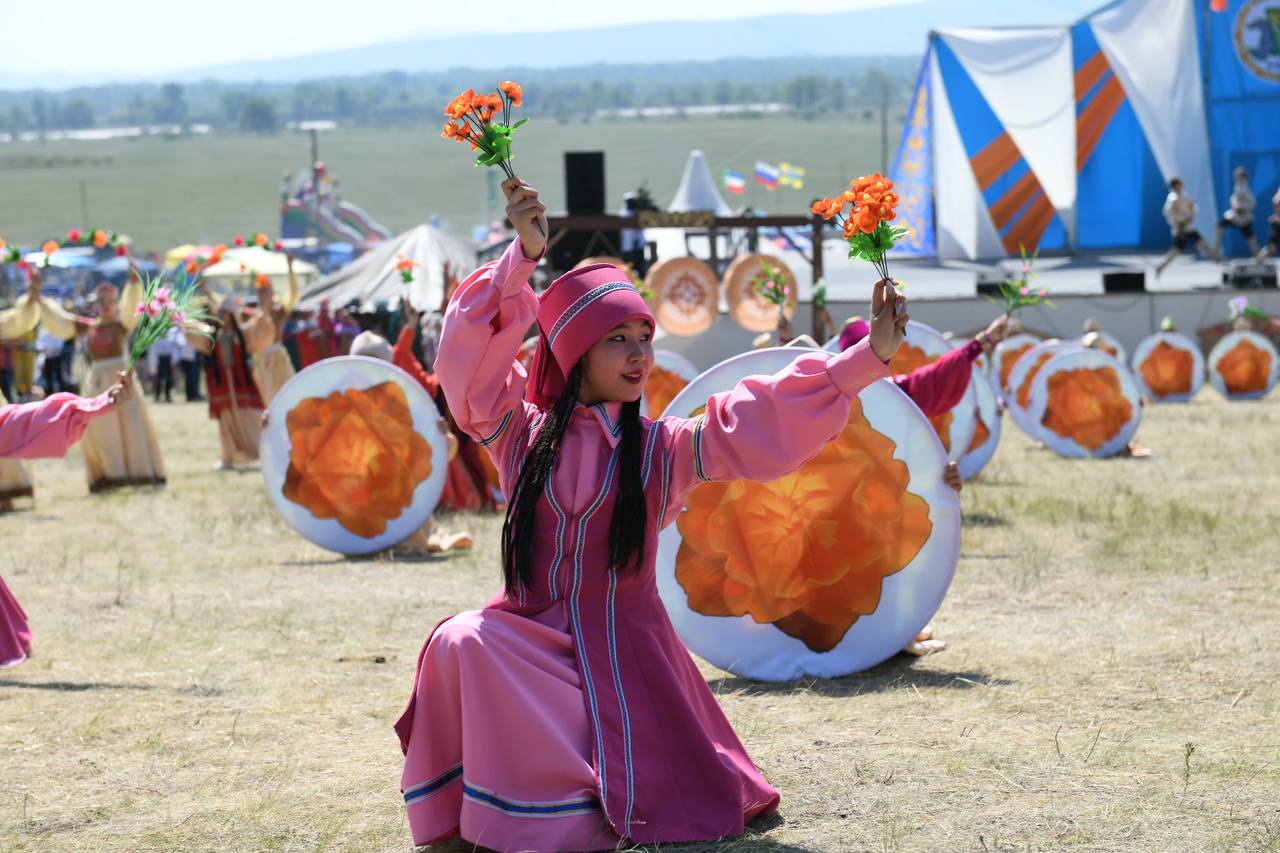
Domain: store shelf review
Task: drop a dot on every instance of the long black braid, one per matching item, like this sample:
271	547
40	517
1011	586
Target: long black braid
627	526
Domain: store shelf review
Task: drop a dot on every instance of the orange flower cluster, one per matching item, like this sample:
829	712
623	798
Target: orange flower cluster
1246	369
472	111
660	389
1087	406
807	553
873	202
1167	370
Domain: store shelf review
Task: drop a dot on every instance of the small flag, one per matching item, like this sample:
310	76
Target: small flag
791	176
734	182
766	175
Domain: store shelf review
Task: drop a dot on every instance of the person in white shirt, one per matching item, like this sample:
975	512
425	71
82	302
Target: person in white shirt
1239	213
1273	241
165	351
190	361
1180	212
52	376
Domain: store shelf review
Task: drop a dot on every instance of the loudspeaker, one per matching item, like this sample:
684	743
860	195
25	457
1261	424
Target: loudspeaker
1126	281
584	182
1248	276
989	281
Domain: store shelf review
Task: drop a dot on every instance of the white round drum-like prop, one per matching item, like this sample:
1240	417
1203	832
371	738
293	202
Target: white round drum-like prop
671	373
353	456
987	428
1244	366
826	571
686	295
1006	356
1022	378
1168	367
1112	347
742	281
925	345
1085	404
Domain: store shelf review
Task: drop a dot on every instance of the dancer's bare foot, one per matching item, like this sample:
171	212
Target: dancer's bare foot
925	644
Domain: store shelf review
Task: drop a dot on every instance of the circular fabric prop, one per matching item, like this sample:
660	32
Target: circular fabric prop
986	436
1022	379
1111	346
1168	367
671	373
827	571
742	281
353	455
1006	356
925	345
1085	404
686	296
1243	366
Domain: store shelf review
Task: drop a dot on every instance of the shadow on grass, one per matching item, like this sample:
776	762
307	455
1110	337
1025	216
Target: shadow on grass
71	686
982	519
897	673
752	840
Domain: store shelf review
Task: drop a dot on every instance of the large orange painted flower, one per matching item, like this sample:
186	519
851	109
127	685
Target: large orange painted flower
1087	406
1167	370
807	553
1009	359
908	358
661	388
1024	390
942	426
981	434
1245	369
355	457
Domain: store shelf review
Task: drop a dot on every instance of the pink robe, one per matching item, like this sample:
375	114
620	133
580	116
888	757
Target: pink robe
571	715
31	431
938	387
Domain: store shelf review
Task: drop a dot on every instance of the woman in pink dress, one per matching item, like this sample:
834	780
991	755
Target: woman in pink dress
566	714
34	431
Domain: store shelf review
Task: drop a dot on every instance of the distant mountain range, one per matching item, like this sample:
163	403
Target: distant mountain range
881	31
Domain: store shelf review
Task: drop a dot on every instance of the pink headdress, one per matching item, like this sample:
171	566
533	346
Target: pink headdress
573	313
853	332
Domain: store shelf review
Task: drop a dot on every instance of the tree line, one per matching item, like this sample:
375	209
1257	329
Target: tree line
810	86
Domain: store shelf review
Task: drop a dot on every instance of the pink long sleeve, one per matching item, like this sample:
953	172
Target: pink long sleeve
49	427
937	387
767	426
484	326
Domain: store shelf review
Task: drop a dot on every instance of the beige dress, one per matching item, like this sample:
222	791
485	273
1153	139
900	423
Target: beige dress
15	474
119	449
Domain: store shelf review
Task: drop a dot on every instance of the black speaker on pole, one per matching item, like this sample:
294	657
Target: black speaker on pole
584	182
1124	281
584	196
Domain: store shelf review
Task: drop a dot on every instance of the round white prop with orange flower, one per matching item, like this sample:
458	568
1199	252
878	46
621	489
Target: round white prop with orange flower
747	283
925	345
1022	378
987	427
1085	404
827	571
1006	356
1244	366
1168	367
353	454
670	374
686	295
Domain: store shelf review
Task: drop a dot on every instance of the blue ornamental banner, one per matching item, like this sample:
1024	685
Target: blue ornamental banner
912	172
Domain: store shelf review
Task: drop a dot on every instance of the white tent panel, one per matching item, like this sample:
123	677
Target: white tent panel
964	226
698	189
1027	77
1152	48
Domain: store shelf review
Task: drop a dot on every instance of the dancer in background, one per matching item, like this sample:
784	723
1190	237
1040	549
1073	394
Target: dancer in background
120	450
1239	213
15	322
42	430
265	337
1273	240
233	395
1180	212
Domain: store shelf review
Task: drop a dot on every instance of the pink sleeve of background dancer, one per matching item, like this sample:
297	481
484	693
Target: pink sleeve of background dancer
767	426
937	387
484	326
47	428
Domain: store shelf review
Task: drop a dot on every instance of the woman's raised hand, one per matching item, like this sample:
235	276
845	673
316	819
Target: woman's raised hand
888	320
528	215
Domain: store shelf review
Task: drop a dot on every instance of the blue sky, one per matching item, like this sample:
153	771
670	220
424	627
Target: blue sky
146	37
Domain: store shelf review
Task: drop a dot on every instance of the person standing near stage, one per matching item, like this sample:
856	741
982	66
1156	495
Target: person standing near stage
1180	212
1239	214
1273	241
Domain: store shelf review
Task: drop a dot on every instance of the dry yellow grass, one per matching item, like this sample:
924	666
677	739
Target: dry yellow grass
206	680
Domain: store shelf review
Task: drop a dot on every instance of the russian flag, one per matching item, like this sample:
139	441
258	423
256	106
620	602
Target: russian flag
766	175
734	182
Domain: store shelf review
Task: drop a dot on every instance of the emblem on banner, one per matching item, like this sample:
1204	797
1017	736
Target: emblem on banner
1257	38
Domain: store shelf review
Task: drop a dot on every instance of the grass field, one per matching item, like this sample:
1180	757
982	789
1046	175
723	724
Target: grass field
204	679
200	189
